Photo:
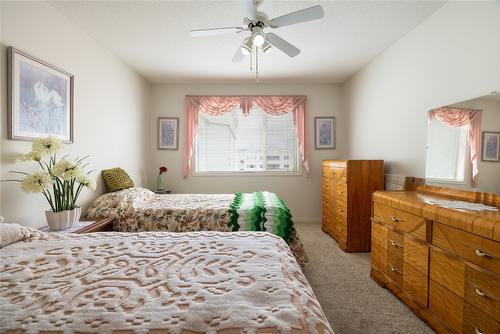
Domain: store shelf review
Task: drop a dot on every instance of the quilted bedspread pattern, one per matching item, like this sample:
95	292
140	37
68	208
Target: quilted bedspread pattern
138	209
159	282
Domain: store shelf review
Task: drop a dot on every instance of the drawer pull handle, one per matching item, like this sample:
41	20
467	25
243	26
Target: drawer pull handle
480	293
395	244
477	330
480	253
396	219
395	270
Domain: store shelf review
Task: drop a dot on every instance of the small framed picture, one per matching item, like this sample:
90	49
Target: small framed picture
40	99
491	146
168	133
324	133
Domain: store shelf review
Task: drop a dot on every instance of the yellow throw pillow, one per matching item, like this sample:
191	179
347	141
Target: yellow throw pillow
117	179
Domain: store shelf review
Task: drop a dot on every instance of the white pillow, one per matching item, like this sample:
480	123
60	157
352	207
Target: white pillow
10	233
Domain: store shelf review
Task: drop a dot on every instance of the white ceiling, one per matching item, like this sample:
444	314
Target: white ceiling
153	37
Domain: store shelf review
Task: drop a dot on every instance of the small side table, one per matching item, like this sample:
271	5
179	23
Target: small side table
86	225
162	192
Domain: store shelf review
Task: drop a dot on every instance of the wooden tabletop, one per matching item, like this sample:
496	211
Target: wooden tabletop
483	223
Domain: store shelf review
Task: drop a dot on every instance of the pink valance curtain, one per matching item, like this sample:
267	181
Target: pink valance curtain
274	105
459	117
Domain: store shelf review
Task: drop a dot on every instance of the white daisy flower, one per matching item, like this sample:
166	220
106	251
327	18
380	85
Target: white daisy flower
36	182
66	169
31	156
86	181
46	146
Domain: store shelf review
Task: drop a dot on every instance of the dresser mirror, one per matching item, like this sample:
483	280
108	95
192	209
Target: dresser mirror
463	145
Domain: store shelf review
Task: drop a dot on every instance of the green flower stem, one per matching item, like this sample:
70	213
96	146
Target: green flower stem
48	199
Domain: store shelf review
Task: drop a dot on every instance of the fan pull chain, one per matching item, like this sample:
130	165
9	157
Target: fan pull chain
257	64
251	59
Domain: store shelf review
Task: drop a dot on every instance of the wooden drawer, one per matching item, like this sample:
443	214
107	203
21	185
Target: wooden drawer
401	221
380	236
476	322
478	250
482	291
395	244
334	172
476	288
395	257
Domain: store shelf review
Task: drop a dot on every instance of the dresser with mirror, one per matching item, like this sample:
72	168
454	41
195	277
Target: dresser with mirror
437	248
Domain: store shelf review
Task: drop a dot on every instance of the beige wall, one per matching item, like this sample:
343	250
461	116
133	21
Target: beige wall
302	195
452	56
110	102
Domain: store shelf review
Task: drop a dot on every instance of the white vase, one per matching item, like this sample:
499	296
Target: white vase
63	219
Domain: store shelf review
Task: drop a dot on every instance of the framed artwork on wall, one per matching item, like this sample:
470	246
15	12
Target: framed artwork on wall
491	146
40	99
324	133
168	133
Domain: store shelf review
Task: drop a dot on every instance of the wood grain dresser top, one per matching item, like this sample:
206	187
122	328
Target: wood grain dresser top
420	202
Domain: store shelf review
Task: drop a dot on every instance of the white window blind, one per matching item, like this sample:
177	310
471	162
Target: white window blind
258	142
446	152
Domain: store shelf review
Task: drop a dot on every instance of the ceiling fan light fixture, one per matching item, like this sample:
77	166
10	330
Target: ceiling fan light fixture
266	47
246	47
258	37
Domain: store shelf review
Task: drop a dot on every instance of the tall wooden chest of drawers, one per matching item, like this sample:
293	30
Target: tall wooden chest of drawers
443	263
347	191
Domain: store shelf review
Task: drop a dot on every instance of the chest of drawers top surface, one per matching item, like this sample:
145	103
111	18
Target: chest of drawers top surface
420	203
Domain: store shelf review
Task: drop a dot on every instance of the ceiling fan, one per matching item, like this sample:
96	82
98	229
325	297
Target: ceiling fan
256	21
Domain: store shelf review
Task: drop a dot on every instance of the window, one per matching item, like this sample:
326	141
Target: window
446	152
258	142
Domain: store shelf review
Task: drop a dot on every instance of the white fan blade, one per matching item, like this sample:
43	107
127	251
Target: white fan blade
238	56
304	15
283	45
250	9
215	31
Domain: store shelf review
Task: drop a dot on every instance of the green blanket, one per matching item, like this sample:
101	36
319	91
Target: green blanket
261	211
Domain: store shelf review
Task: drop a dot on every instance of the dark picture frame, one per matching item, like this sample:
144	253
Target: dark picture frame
490	146
168	133
40	99
324	133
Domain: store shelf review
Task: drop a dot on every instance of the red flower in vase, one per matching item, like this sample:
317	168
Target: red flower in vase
163	169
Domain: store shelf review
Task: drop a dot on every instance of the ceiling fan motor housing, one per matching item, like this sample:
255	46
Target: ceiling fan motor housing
262	19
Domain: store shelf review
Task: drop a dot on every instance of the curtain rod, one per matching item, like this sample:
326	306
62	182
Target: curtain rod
448	107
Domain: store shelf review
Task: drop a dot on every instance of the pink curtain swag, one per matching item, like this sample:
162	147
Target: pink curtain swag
459	117
274	105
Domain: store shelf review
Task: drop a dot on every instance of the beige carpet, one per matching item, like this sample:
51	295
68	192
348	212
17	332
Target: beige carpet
352	301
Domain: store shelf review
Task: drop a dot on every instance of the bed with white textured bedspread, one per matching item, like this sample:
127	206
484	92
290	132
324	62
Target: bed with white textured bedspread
138	209
210	282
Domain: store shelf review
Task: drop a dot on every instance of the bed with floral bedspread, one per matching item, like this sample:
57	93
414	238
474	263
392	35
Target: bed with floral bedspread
154	282
138	209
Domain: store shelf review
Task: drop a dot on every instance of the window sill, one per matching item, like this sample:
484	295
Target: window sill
446	181
245	174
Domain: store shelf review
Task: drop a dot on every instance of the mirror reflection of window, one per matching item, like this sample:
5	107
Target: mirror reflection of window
446	152
458	152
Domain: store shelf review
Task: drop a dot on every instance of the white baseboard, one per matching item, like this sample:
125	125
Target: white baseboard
306	220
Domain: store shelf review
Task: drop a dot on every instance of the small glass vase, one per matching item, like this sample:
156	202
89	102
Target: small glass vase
161	182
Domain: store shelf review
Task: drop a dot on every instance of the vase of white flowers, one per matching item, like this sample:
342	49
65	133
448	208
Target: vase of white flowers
59	180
